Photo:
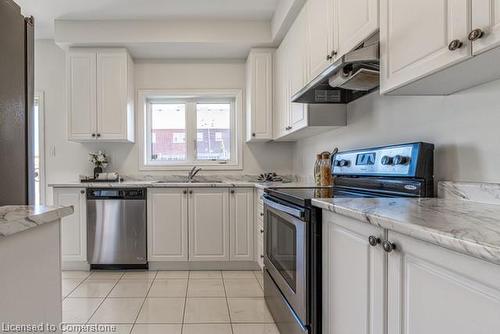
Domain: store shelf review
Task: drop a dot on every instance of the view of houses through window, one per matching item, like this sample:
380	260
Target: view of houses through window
209	126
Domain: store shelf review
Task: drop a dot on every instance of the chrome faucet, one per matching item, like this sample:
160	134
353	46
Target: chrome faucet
192	173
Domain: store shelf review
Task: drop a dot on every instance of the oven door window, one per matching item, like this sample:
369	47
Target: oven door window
282	248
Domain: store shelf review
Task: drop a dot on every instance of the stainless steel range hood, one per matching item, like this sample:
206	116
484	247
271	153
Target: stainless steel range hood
352	76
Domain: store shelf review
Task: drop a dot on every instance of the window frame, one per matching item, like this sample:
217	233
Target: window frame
145	97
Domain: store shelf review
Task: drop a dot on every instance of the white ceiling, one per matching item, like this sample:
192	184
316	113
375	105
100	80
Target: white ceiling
46	11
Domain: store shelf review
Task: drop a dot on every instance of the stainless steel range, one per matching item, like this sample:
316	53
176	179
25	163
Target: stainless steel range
292	237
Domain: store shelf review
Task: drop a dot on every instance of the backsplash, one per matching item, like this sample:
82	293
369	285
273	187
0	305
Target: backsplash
470	191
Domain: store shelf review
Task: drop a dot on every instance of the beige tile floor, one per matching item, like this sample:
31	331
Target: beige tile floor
168	302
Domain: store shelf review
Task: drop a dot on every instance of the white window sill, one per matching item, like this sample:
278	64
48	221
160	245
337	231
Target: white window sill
221	167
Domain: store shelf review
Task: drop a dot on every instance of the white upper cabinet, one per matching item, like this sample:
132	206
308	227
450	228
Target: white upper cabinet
208	216
485	25
100	90
319	36
241	224
259	107
354	21
418	38
281	91
81	88
167	224
435	290
297	66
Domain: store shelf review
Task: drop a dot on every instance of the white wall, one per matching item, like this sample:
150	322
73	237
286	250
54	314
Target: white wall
66	160
465	127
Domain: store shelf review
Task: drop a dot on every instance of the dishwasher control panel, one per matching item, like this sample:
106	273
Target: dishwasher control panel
116	193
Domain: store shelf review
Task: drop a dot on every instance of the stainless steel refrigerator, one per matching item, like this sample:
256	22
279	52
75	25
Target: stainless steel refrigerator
16	105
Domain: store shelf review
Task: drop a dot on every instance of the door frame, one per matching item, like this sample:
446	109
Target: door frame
39	100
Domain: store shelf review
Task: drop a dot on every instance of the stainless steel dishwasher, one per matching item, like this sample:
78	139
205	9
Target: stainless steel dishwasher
116	228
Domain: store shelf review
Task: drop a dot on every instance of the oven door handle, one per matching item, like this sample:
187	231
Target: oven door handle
299	213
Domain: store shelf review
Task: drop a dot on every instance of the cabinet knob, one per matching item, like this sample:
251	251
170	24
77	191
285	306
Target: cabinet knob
262	214
98	135
288	128
184	192
455	45
253	134
373	240
82	191
232	191
262	256
190	191
261	230
475	34
388	246
93	135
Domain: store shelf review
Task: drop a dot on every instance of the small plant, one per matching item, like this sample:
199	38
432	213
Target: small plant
98	159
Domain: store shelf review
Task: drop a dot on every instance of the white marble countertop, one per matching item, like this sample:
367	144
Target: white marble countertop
18	218
157	184
467	227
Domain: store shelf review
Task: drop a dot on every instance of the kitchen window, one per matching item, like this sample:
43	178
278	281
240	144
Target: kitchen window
191	128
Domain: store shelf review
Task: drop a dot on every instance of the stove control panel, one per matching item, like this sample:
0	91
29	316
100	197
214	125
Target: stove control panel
406	160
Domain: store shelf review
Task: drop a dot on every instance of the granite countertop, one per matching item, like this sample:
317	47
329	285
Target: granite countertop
468	227
18	218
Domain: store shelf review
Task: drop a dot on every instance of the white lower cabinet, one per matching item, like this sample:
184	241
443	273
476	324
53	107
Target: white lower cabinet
241	213
417	287
435	290
208	212
73	227
167	224
353	277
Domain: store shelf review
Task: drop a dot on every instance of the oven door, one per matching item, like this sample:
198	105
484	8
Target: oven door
285	253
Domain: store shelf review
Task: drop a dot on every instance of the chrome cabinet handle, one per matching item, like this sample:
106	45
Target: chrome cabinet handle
388	246
373	240
455	45
475	34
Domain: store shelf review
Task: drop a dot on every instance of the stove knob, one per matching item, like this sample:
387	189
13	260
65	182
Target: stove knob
344	163
400	160
386	160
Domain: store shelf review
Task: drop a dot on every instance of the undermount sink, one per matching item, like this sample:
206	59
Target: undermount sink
193	181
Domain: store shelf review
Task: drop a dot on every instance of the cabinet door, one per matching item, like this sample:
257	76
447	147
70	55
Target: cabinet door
413	47
435	290
297	70
81	94
353	277
281	103
208	224
167	225
486	16
241	224
260	94
112	85
319	35
73	227
354	21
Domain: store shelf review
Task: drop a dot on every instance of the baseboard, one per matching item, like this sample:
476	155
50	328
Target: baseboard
201	265
75	265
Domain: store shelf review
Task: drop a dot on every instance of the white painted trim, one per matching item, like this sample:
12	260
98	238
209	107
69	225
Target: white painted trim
144	95
40	96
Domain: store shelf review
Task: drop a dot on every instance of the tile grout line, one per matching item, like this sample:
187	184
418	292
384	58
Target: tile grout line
185	301
227	304
100	304
143	302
